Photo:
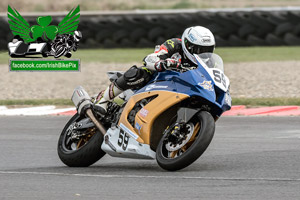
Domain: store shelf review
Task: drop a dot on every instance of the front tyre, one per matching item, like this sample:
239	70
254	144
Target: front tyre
79	148
180	147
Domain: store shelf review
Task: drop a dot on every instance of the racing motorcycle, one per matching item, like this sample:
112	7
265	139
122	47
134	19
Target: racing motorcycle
63	45
171	119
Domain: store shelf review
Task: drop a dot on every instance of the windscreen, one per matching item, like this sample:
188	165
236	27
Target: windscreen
212	60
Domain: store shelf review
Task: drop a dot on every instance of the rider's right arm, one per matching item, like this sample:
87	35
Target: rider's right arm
152	60
161	53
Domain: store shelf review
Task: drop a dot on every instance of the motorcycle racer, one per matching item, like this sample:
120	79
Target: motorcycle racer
63	45
173	53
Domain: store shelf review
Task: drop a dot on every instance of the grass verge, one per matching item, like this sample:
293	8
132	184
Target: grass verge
250	102
37	102
229	54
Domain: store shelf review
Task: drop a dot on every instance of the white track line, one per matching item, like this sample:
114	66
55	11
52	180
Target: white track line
57	111
156	177
3	108
25	111
40	110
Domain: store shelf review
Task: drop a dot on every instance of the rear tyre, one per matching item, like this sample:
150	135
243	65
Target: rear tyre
81	152
203	128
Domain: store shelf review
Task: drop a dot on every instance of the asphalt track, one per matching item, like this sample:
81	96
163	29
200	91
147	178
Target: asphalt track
249	158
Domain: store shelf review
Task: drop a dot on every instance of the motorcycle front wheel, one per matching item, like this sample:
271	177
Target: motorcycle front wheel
179	148
79	148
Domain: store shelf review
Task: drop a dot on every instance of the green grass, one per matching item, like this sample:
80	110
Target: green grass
229	54
251	102
252	54
37	102
112	55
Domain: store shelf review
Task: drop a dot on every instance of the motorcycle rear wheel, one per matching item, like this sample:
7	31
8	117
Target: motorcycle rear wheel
82	153
203	128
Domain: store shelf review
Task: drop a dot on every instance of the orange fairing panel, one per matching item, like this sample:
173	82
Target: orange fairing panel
147	115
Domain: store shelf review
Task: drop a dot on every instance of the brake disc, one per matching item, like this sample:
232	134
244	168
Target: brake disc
170	146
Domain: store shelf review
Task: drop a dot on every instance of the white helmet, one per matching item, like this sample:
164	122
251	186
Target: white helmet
196	40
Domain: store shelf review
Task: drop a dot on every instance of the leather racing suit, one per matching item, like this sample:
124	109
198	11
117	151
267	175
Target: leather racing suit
169	54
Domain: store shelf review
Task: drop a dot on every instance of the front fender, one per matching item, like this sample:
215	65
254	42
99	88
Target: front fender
185	114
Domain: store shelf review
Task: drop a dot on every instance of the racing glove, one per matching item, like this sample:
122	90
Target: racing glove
162	65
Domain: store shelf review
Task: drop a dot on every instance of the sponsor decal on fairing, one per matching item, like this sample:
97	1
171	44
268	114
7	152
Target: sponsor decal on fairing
206	85
150	87
144	112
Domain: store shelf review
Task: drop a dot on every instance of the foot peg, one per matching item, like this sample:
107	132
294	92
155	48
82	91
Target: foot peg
99	109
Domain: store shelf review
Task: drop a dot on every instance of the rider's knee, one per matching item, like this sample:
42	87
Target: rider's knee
133	78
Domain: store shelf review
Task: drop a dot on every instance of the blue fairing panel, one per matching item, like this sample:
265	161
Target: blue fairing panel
187	83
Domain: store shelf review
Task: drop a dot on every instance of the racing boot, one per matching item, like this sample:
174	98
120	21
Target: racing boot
104	97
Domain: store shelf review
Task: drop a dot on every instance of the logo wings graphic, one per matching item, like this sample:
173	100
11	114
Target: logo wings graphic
19	26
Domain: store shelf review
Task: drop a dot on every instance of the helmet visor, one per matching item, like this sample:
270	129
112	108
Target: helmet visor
198	49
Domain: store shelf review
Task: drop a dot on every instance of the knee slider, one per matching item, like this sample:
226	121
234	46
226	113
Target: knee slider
129	78
133	78
132	74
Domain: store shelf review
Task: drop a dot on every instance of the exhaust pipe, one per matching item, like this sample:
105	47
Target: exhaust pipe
83	103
